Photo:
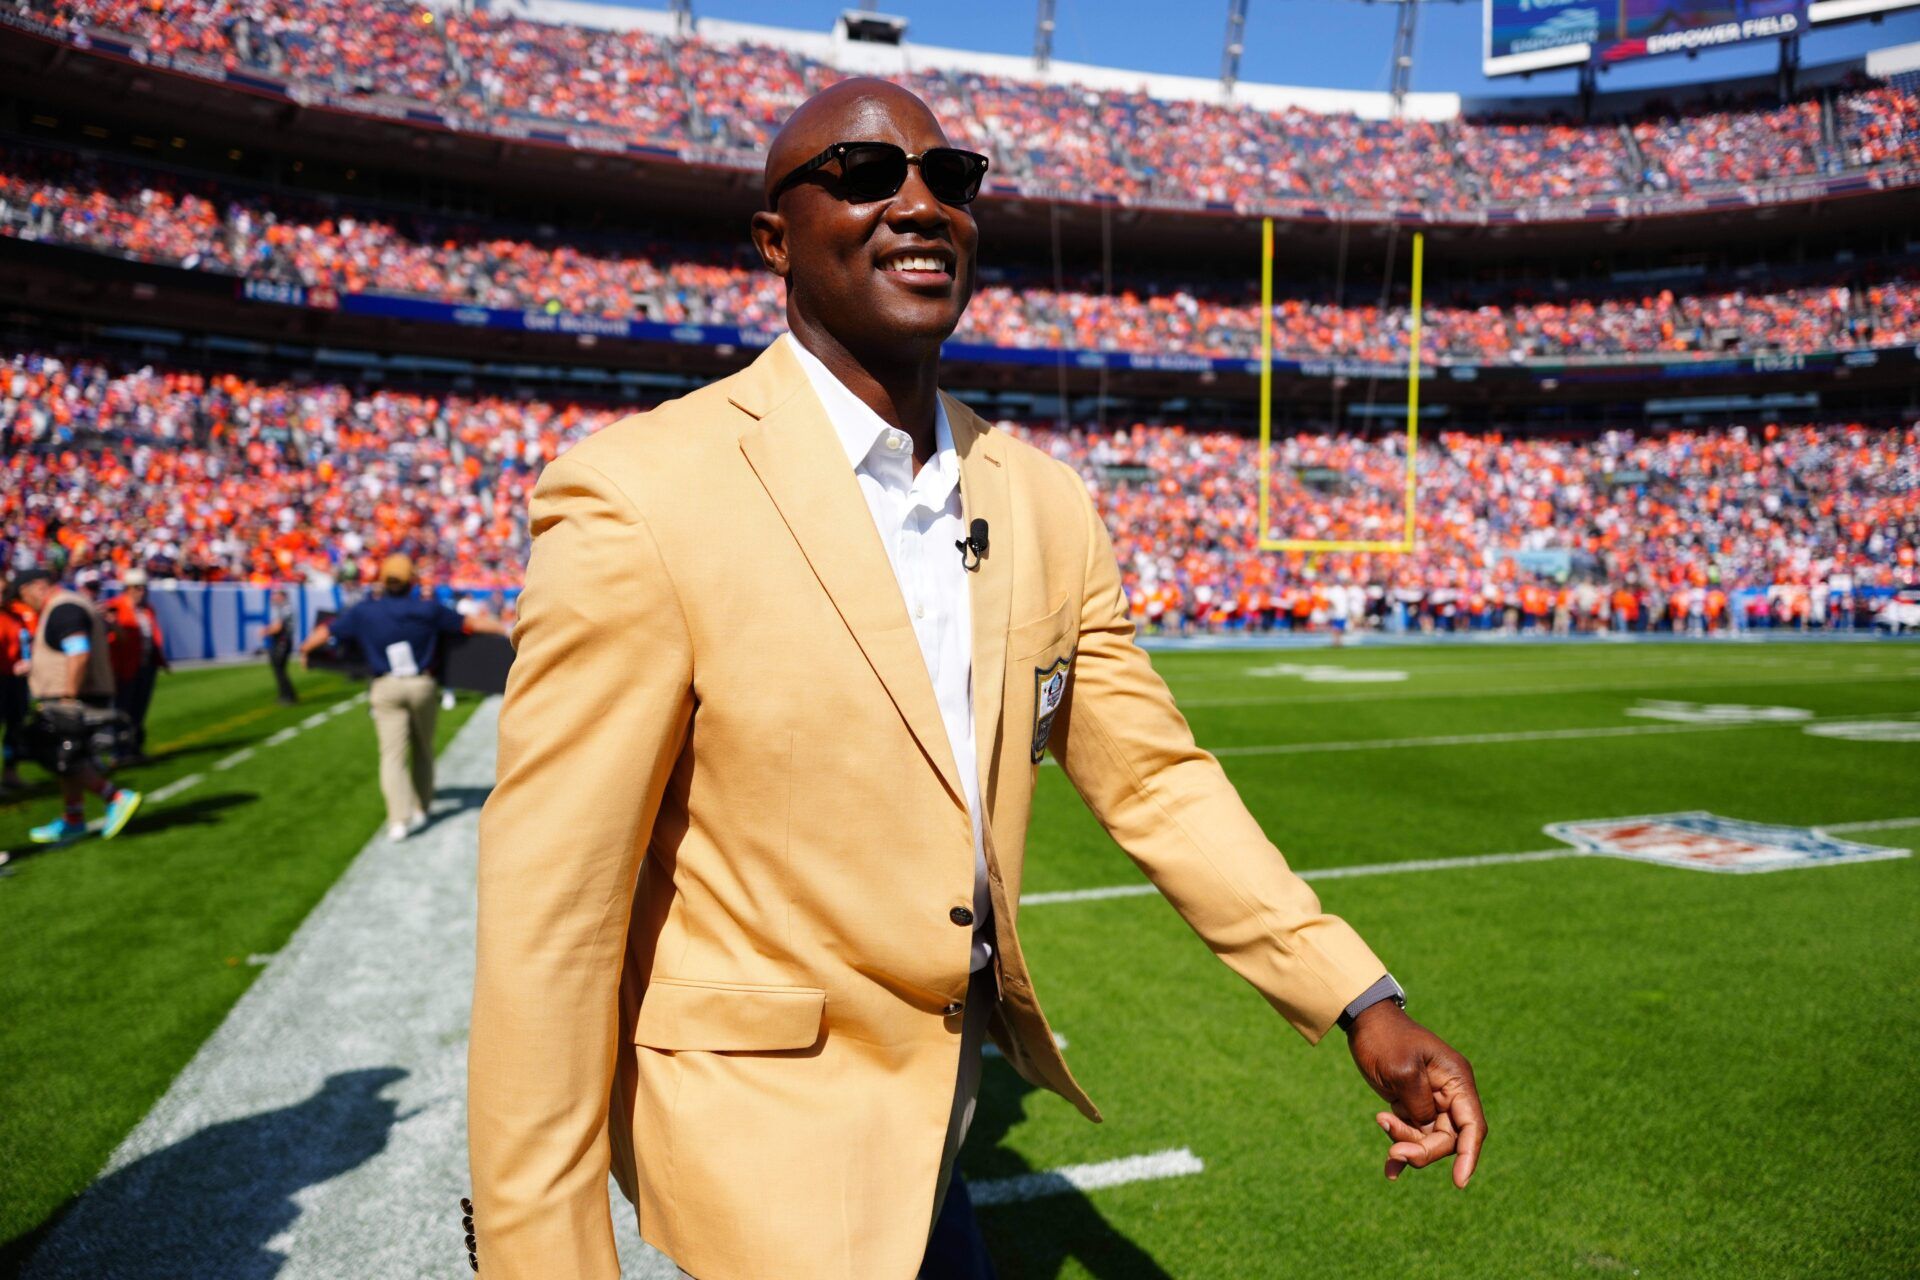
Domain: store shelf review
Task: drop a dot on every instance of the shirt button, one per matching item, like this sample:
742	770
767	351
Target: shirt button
947	1011
960	916
919	611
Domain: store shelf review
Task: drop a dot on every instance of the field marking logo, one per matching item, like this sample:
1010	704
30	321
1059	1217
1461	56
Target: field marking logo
1049	691
1702	841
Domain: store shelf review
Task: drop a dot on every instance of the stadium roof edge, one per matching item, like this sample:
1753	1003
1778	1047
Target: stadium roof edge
885	59
1893	60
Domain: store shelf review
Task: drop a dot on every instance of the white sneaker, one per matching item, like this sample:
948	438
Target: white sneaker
415	824
397	831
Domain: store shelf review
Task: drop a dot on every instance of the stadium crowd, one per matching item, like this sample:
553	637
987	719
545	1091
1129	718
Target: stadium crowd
157	215
198	476
503	69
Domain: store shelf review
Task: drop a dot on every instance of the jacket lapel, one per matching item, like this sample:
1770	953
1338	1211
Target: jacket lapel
800	462
984	496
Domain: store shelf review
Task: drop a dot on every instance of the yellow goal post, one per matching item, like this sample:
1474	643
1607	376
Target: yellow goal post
1405	541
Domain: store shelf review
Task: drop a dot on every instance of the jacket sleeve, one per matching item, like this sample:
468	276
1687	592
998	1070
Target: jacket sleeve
597	709
1129	753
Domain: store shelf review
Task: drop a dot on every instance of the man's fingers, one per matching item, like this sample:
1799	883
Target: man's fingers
1463	1107
1415	1147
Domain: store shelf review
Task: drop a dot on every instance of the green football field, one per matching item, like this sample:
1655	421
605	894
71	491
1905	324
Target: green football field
117	958
1687	1073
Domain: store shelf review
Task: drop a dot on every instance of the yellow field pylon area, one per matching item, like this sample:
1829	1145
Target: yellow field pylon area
1405	541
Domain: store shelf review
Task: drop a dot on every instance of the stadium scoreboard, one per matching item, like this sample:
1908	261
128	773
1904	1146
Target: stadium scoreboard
1532	35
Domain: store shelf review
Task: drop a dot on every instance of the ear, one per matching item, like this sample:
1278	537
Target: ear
770	239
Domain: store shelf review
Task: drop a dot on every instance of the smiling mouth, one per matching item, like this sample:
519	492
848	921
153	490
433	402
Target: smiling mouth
916	264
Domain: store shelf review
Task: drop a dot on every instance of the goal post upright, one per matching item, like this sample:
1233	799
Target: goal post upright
1405	542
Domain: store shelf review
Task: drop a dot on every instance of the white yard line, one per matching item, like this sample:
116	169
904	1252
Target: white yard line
1422	864
241	756
1405	693
1074	1178
1395	659
1524	735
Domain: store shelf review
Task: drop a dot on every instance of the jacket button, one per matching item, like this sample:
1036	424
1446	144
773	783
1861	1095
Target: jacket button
960	916
948	1011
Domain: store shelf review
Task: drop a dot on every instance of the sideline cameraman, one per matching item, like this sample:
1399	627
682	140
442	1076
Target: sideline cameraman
69	669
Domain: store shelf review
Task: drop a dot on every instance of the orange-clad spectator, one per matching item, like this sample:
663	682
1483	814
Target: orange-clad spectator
16	626
137	650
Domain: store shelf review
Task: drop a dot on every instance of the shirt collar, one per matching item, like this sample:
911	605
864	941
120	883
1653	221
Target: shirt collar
861	430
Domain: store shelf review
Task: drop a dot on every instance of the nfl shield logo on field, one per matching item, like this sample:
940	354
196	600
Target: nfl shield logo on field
1049	691
1708	842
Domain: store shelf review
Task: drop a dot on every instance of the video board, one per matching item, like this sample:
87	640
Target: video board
1527	35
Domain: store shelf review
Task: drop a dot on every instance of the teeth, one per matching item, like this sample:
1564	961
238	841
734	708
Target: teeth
915	262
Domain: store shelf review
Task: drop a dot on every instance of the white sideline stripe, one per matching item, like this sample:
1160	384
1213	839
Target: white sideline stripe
1418	864
1071	1178
174	788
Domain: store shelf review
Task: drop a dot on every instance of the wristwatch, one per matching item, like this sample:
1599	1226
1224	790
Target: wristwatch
1385	989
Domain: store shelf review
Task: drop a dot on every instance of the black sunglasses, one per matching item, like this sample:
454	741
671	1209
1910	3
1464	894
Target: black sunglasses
877	170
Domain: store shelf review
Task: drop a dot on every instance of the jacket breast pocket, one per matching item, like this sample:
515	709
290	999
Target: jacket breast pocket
728	1017
1030	639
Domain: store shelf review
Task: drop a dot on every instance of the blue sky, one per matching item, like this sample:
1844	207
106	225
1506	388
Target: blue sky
1333	43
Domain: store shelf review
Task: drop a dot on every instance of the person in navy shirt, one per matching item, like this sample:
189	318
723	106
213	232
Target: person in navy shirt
398	634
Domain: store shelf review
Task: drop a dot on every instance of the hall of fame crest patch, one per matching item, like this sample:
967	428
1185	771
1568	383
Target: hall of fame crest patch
1708	842
1049	691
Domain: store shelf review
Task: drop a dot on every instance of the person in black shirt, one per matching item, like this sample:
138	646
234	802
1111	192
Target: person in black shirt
279	632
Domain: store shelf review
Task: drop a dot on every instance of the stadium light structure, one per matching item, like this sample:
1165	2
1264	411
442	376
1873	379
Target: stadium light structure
1236	41
1405	27
1043	36
682	11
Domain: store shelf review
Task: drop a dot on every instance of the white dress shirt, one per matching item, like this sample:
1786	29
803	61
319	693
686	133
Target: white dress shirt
919	518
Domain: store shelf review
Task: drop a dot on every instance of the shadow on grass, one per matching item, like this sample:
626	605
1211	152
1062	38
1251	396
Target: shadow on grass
451	802
208	1206
1033	1240
199	811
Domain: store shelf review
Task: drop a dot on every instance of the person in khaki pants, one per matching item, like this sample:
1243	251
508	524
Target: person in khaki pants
398	632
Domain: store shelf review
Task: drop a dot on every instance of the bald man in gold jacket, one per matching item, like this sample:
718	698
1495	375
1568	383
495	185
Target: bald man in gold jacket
729	876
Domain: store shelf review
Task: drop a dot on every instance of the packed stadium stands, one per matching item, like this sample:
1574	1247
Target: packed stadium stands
1068	139
160	216
225	477
282	472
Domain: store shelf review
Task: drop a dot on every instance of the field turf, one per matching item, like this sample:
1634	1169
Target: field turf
117	958
1686	1073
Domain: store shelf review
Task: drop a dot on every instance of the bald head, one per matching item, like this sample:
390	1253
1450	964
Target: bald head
873	280
843	112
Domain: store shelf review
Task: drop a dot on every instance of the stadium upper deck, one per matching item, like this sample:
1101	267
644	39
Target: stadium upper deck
612	81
